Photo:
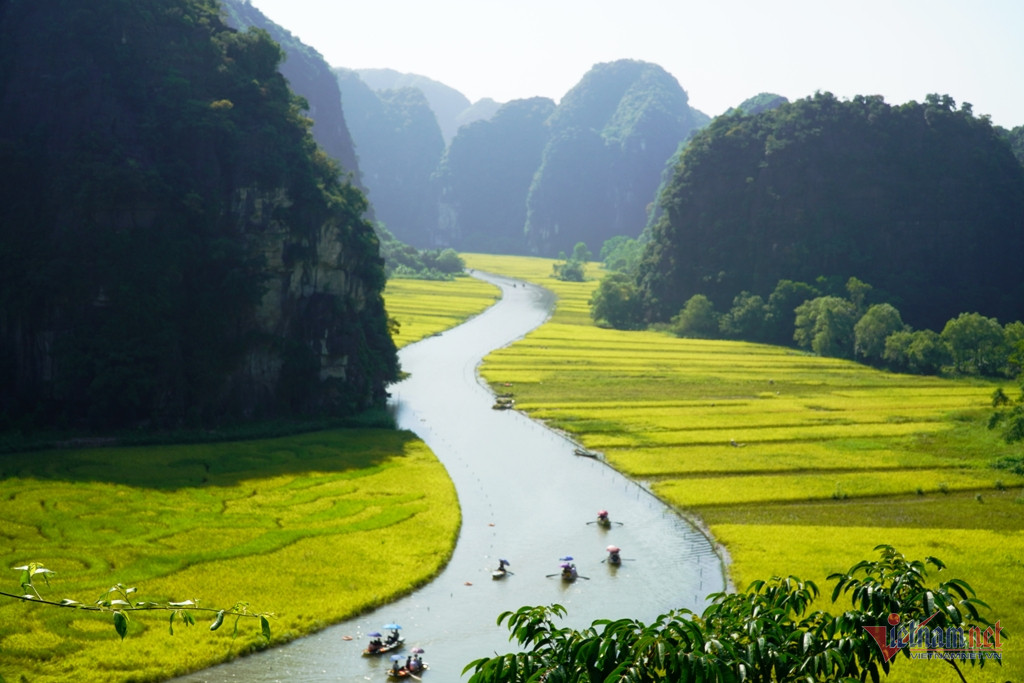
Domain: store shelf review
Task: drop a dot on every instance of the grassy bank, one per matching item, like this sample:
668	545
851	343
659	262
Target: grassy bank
298	526
799	465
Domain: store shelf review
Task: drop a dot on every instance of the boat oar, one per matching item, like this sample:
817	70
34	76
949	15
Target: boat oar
580	576
550	575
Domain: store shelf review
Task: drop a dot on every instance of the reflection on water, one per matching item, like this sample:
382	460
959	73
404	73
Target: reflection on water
525	497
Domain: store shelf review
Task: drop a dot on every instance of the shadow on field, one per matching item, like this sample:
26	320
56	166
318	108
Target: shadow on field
171	467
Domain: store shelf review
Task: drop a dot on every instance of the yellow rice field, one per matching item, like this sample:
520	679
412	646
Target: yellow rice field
749	437
426	307
294	526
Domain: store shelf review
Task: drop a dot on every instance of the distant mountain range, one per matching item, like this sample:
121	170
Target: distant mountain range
522	177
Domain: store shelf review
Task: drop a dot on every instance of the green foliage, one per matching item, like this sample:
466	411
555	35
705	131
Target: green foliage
871	331
573	269
780	310
621	253
746	319
405	261
922	352
616	303
977	344
697	319
825	325
769	632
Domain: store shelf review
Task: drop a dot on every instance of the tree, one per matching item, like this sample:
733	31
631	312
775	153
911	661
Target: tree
615	302
921	352
621	253
780	310
746	318
871	331
769	632
574	268
825	326
858	292
977	344
696	319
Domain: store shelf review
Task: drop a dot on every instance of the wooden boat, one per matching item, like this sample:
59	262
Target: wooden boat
405	673
500	572
504	403
584	453
569	575
385	648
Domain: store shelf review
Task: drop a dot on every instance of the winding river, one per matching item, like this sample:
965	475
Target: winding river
526	497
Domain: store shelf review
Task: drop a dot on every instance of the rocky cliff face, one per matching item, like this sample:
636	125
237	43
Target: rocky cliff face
400	145
174	247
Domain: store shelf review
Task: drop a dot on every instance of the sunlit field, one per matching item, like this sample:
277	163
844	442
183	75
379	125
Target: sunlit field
298	527
798	465
426	307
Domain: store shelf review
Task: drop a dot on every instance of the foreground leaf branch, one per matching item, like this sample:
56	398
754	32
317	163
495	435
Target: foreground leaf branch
770	632
117	600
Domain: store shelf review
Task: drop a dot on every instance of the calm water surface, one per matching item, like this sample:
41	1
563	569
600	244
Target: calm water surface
525	497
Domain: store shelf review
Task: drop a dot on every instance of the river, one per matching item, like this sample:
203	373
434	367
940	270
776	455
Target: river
525	496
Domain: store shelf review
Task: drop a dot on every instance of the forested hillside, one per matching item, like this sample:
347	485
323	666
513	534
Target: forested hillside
310	77
399	145
174	249
609	140
923	201
485	177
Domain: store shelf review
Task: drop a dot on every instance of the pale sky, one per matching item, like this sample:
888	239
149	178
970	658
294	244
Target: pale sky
720	51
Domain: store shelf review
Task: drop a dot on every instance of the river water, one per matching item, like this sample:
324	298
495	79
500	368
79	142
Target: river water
525	496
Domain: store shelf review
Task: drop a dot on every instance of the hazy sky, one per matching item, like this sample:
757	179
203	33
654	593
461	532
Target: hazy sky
720	51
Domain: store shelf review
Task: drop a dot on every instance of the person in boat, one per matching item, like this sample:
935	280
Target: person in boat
375	646
602	518
568	571
613	555
395	668
416	665
408	663
393	637
501	565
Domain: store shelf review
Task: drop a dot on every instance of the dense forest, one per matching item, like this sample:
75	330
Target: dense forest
174	248
923	200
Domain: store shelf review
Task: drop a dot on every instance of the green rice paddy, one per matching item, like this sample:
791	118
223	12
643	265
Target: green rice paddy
798	465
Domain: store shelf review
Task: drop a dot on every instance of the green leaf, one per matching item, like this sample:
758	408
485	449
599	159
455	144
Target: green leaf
121	624
265	627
